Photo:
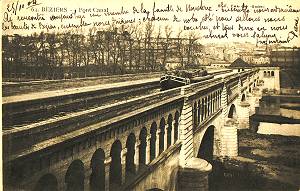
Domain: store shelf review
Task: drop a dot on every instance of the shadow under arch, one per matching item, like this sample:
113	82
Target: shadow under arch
115	171
162	127
142	146
243	97
206	147
48	182
169	130
232	112
130	166
74	177
97	178
176	125
153	138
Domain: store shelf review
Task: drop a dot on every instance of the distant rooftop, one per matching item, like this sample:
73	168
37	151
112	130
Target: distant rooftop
239	63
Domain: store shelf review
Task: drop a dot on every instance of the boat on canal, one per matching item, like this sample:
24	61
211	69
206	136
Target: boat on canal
177	78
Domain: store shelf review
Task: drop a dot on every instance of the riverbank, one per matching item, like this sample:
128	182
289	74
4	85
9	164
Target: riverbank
265	162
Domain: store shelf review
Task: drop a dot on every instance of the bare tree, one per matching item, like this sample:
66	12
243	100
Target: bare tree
6	56
126	49
138	35
168	32
51	42
113	49
16	54
66	46
125	46
158	47
97	48
180	48
192	37
130	31
149	28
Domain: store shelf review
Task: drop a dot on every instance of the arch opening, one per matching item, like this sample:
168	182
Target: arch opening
206	147
155	189
199	112
130	166
202	109
115	174
208	105
176	125
232	112
74	177
213	103
169	131
195	117
243	97
97	178
142	146
162	125
153	141
48	182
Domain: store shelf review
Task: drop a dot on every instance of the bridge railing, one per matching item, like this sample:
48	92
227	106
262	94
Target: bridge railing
197	87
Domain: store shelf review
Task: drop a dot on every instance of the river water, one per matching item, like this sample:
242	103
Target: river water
280	116
279	129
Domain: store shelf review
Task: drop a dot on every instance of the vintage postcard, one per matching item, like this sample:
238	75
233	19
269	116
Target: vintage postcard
183	95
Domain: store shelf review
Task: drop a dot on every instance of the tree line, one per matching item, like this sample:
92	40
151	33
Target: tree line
73	54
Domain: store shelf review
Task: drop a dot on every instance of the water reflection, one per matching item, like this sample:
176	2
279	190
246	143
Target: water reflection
279	129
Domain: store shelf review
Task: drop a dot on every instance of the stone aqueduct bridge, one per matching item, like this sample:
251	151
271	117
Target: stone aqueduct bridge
154	141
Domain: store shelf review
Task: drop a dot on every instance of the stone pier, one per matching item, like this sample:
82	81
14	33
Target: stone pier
194	175
244	115
229	146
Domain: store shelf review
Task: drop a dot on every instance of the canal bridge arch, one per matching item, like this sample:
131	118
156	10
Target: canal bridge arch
206	148
207	140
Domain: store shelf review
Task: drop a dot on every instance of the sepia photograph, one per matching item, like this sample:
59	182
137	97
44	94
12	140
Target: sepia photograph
156	95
